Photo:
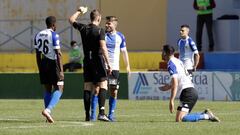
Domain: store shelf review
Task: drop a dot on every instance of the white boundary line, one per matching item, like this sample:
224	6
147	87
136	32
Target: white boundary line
61	124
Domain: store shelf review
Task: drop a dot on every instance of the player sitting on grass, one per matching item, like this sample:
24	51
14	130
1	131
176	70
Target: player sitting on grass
181	81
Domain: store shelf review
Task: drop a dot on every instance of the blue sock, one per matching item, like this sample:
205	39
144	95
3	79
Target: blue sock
54	100
93	107
47	98
194	117
112	106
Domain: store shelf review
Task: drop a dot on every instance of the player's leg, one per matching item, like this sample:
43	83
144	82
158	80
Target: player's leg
47	94
45	77
88	86
200	24
56	95
112	104
113	85
88	74
101	100
209	23
94	103
57	82
100	79
188	99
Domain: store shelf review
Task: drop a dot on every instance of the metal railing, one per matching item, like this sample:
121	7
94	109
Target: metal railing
18	35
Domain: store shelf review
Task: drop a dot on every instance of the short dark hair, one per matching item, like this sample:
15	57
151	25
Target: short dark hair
94	14
168	49
73	42
50	21
111	18
185	26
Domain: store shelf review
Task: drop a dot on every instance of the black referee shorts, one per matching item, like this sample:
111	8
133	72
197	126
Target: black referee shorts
94	70
188	99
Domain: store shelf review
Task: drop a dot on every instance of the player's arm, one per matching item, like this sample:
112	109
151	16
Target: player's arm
80	11
174	85
196	61
59	62
38	58
56	47
165	87
196	55
103	46
126	59
195	6
212	4
38	53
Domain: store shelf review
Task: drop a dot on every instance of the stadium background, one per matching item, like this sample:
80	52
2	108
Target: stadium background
147	25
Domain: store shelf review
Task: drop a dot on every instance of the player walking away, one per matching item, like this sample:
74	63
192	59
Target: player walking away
188	52
49	61
95	60
116	42
180	81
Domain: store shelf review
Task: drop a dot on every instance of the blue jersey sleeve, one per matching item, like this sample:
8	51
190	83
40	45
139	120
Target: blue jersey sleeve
55	40
123	43
192	45
172	68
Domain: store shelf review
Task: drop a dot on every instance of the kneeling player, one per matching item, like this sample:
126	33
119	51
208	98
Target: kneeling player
180	80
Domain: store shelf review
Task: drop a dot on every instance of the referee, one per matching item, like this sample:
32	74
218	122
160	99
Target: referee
95	60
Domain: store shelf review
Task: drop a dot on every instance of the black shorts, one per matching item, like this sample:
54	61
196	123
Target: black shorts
188	99
49	72
113	79
94	70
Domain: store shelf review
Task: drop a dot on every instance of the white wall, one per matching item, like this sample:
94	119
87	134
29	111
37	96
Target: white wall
182	12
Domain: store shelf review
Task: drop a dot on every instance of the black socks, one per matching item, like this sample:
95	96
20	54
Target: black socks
101	100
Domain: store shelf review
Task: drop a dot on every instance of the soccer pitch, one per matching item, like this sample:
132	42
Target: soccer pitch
23	117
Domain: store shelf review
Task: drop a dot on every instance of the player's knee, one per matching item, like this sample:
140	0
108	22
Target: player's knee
113	90
88	86
113	87
103	85
113	93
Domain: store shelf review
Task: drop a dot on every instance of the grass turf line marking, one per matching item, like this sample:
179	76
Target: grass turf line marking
58	124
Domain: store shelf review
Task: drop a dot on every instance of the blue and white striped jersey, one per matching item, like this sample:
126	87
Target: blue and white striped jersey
116	42
187	48
46	41
177	70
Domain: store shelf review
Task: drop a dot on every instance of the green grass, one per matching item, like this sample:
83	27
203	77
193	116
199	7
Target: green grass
22	117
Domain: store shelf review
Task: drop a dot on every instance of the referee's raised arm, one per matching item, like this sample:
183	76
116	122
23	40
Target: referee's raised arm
81	10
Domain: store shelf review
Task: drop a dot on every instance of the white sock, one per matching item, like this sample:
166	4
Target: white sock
206	116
